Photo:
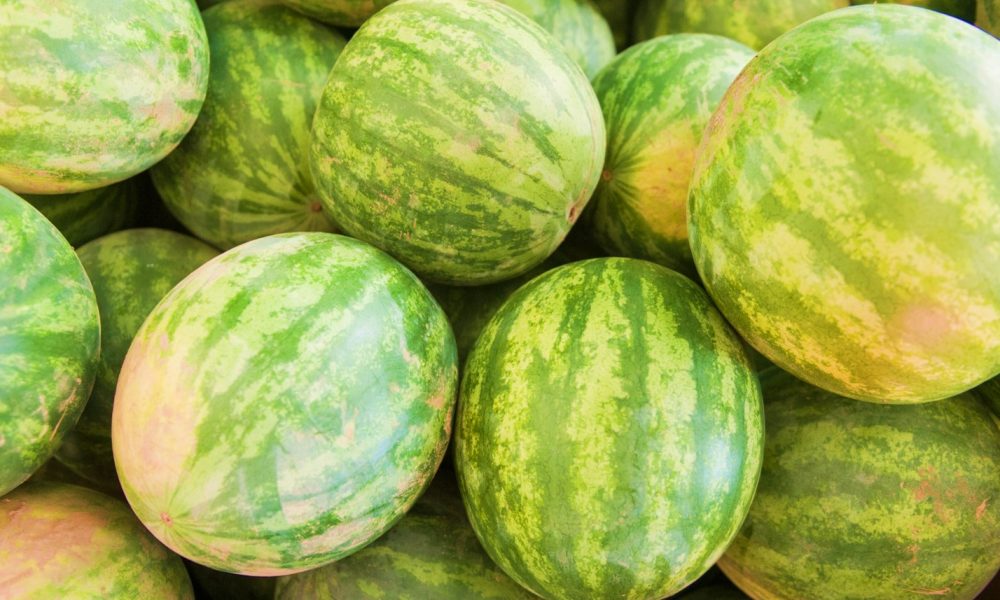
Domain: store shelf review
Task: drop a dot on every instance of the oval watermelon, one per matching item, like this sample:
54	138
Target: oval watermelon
343	13
50	336
63	541
963	9
579	27
855	247
243	171
988	16
860	500
95	91
657	98
285	404
131	271
609	434
752	22
85	216
459	137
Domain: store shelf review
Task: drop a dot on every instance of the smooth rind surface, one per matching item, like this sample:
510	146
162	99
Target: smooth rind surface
343	13
579	27
85	216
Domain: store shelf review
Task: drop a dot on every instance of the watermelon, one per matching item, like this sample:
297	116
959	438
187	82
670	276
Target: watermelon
459	137
50	336
84	216
63	541
988	16
243	172
752	22
861	500
578	25
657	98
431	553
284	405
619	16
344	13
855	248
210	584
95	91
131	271
609	432
963	9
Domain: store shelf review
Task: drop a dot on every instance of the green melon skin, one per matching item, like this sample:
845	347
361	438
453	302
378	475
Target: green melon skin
50	337
855	248
343	13
431	553
131	271
865	501
751	22
85	216
243	171
657	98
988	16
95	91
609	432
284	405
63	541
619	14
458	137
963	9
578	25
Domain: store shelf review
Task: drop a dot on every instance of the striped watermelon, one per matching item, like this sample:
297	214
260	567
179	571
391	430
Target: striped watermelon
578	25
243	171
344	13
458	136
63	541
657	98
609	434
619	16
131	271
861	500
839	241
50	336
988	16
95	91
752	22
284	405
84	216
963	9
431	553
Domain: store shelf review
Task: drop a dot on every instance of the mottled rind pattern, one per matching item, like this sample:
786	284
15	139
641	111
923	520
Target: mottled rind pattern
285	404
988	16
343	13
131	271
85	216
459	137
868	501
752	22
609	434
578	25
657	98
963	9
63	541
243	171
855	248
50	337
93	92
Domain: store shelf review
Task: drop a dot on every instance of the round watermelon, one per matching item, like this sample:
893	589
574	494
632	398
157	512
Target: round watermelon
657	98
285	404
84	216
63	541
431	553
95	91
619	15
844	204
131	271
343	13
50	336
243	172
752	22
860	500
609	433
578	25
459	137
988	16
963	9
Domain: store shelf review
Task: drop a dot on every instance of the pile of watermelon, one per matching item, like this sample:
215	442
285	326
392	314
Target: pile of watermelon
480	299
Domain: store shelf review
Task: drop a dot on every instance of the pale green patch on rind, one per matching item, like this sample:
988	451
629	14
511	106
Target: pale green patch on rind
752	22
609	434
344	13
50	338
63	541
871	502
619	16
854	248
93	92
459	137
657	98
131	271
963	9
85	216
578	26
988	16
285	404
243	171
